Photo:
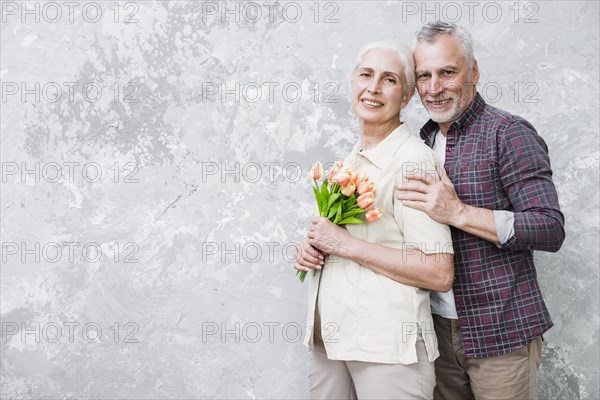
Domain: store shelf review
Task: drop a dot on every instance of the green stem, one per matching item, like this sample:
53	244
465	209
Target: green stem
301	275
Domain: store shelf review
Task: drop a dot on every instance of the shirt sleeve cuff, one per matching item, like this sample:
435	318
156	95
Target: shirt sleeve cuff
505	225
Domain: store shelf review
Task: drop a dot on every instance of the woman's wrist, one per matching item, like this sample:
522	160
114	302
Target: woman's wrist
349	248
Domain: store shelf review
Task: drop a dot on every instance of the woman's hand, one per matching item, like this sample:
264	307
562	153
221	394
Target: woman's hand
307	257
328	237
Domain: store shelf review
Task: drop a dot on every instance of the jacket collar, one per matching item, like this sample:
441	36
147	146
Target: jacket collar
382	154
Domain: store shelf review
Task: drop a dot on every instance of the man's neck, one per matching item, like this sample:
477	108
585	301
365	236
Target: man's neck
444	127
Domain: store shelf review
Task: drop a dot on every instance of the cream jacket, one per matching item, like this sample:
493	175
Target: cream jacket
365	316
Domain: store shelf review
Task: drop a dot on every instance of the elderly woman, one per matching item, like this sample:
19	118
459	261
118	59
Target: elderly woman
369	322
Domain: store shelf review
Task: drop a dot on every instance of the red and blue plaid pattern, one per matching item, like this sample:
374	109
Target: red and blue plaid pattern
498	161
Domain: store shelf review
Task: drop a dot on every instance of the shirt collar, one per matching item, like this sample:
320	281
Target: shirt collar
382	154
462	123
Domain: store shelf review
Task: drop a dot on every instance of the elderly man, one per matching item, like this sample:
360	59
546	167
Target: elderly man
497	195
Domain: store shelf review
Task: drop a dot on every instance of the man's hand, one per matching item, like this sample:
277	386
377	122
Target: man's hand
434	195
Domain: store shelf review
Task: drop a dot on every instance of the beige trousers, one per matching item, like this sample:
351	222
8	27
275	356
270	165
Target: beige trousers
511	376
350	380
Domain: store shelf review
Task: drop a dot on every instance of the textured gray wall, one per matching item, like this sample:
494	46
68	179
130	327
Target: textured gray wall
154	159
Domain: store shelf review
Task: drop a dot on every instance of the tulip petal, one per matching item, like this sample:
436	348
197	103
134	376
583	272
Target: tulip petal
373	214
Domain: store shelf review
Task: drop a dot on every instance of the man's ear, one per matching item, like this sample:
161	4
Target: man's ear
475	73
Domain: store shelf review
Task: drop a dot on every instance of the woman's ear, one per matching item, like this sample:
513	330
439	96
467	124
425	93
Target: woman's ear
408	94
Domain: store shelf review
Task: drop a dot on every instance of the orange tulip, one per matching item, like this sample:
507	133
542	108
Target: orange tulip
359	178
365	201
337	166
343	179
349	189
373	214
316	171
347	169
365	186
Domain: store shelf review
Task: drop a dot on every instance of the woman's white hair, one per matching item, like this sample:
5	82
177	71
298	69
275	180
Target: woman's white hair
402	52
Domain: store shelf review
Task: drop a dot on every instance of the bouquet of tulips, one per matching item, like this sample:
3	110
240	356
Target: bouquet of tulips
343	197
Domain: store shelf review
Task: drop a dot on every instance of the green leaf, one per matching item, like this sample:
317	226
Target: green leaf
333	198
352	212
324	197
333	210
348	204
350	220
350	201
324	187
318	198
352	207
338	215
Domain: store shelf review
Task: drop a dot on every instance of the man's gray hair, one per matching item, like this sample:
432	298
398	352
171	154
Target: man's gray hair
429	32
402	52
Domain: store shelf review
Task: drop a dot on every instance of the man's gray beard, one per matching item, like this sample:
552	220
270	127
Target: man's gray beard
447	117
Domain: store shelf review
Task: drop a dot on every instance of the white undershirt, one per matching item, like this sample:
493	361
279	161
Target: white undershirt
442	303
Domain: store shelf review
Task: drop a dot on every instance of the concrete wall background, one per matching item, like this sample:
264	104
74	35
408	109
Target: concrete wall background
149	205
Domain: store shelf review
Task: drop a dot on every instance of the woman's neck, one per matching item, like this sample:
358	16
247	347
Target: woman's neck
371	135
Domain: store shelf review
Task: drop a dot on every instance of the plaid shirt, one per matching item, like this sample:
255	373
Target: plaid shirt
498	161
